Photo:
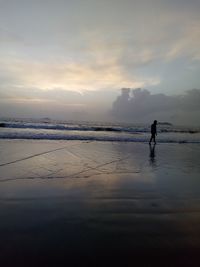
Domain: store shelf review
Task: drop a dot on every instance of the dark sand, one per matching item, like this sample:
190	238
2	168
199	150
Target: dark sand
99	204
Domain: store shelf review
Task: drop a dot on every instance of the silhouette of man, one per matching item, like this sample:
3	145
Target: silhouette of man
153	132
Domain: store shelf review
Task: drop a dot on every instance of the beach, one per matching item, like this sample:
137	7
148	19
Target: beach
88	203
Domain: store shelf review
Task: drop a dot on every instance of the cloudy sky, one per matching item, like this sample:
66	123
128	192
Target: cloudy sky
69	59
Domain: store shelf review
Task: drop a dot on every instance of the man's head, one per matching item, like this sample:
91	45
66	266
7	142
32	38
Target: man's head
155	122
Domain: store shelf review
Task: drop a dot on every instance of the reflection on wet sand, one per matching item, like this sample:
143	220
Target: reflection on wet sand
152	155
99	204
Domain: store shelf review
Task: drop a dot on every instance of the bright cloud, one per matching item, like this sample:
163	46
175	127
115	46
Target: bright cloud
99	73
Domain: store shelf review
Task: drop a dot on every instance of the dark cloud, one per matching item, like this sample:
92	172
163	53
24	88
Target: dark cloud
139	105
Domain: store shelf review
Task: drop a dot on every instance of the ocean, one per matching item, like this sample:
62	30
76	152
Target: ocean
47	129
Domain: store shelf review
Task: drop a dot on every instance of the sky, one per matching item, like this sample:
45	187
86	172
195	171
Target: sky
70	59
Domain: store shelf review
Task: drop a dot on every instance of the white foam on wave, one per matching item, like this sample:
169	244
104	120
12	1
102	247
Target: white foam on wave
57	130
95	136
109	127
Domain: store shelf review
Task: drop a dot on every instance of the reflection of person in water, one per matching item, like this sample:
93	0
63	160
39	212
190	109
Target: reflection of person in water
152	154
153	132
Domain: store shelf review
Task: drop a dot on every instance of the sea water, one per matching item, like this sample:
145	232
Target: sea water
47	129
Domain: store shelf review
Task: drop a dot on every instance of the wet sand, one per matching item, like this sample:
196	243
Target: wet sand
99	204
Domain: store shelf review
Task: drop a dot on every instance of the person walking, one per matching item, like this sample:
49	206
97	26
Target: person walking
153	132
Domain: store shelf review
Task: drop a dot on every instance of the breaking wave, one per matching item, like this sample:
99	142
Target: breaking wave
56	130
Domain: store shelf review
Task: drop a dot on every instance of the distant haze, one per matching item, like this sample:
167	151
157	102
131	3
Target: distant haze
68	60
